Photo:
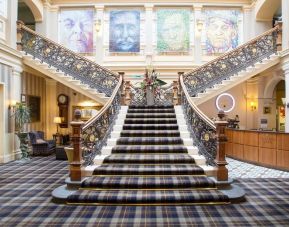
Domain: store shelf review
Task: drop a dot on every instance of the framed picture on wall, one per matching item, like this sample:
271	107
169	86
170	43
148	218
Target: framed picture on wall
87	112
266	110
33	102
23	98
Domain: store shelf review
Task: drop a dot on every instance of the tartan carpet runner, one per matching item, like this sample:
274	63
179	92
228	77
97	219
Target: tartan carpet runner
149	166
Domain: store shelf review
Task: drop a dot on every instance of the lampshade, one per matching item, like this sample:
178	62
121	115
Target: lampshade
57	120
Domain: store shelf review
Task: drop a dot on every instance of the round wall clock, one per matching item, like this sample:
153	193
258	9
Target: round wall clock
225	102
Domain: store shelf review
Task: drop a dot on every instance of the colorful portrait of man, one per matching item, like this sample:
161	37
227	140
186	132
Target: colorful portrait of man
124	31
76	30
173	30
221	30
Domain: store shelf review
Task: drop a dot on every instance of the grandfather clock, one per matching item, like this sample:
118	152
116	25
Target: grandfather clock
63	102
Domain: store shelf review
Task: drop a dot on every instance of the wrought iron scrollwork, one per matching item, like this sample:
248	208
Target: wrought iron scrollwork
202	129
65	60
203	134
231	63
163	97
96	132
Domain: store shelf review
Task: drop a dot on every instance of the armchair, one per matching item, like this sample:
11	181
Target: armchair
39	145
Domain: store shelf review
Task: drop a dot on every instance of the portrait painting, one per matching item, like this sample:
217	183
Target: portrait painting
173	30
76	30
3	8
124	31
34	104
222	30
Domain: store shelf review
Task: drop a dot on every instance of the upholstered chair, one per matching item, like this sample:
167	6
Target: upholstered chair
39	145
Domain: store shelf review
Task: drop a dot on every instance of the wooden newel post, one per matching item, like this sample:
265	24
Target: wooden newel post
222	171
19	34
127	93
75	165
279	35
175	94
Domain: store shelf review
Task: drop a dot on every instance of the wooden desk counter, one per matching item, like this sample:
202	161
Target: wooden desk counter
266	148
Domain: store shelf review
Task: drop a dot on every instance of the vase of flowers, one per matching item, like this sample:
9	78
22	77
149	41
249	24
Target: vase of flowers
150	86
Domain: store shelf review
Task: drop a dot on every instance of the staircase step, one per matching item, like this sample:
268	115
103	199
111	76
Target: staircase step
155	182
143	170
149	141
147	197
149	133
149	159
151	115
150	127
151	107
149	149
150	121
168	110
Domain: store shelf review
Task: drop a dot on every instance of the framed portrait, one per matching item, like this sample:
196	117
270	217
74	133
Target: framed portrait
87	112
266	110
173	30
76	29
23	98
222	30
124	31
33	102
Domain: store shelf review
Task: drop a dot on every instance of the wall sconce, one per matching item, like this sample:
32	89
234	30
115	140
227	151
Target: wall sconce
200	24
253	106
97	25
284	102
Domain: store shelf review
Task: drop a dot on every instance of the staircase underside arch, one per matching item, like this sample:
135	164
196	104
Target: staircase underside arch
265	9
36	8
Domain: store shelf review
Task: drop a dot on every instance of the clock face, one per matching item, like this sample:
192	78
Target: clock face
62	99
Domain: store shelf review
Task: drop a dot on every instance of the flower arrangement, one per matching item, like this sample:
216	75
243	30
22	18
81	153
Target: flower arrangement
151	81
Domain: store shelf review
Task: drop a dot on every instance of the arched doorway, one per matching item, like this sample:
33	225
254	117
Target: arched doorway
26	15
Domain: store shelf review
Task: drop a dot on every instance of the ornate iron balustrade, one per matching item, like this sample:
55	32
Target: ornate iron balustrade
231	63
65	60
164	97
201	128
97	130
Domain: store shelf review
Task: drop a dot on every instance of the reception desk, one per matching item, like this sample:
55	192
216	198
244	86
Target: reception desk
264	148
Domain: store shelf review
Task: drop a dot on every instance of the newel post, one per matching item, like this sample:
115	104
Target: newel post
19	34
179	87
175	93
279	35
222	171
75	165
127	93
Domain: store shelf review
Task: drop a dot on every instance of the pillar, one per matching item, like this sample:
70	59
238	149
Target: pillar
149	31
198	34
285	25
285	68
11	31
98	35
51	107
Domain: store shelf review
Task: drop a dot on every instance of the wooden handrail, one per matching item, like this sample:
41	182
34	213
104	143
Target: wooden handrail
199	112
105	107
276	28
22	26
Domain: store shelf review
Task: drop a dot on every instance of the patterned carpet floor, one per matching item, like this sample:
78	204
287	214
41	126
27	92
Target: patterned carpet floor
25	200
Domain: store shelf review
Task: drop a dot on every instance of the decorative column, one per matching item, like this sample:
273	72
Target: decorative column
247	10
98	33
199	21
75	165
149	32
11	35
222	171
285	24
285	68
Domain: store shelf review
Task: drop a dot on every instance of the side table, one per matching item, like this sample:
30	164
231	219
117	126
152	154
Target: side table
60	153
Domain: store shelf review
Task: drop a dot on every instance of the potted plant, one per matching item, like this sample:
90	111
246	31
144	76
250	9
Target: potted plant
22	116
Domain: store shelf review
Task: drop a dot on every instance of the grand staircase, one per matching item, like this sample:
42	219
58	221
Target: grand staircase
149	165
